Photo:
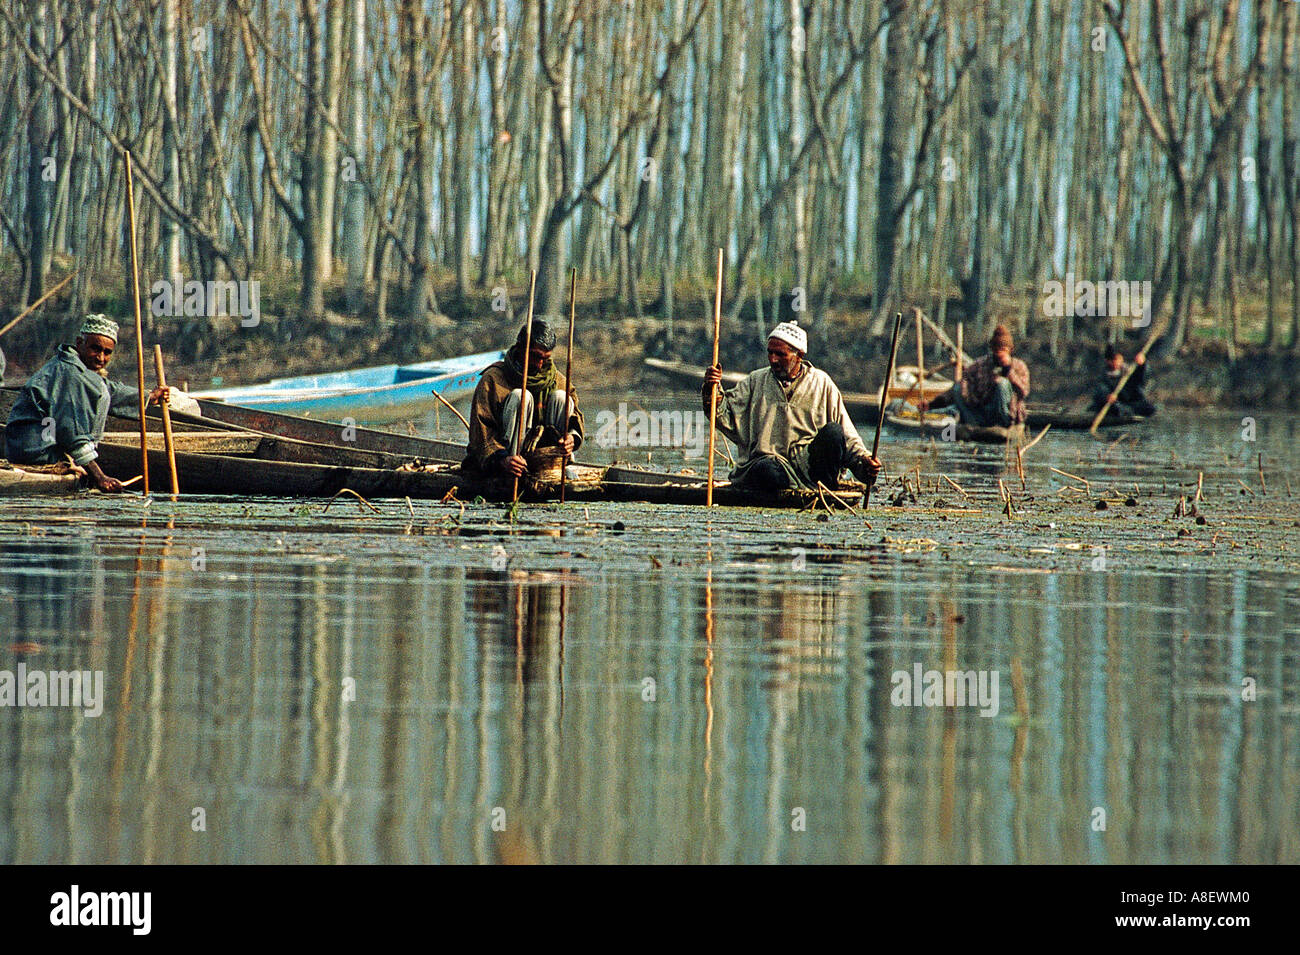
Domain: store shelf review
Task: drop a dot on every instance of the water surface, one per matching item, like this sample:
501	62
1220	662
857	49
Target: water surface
630	683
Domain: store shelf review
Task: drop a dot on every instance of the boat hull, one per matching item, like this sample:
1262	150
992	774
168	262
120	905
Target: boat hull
946	428
19	481
1039	418
377	395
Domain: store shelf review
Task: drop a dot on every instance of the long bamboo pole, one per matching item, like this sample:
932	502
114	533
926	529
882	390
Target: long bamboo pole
961	355
568	376
168	443
1096	422
713	400
943	338
453	409
139	329
38	303
884	396
523	384
920	358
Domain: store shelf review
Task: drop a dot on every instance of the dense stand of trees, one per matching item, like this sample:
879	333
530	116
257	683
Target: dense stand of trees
923	148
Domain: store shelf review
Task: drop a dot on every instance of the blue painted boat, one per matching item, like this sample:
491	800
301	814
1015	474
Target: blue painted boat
381	394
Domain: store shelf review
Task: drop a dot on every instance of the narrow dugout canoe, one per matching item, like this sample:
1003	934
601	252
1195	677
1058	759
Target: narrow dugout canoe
30	480
1063	420
230	474
939	426
660	487
219	416
273	448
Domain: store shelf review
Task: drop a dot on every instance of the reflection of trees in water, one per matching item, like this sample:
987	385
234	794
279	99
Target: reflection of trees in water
56	591
520	625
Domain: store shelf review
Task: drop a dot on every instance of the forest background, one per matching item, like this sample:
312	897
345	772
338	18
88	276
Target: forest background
388	173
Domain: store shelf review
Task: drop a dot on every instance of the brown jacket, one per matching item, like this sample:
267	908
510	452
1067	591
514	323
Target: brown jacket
486	436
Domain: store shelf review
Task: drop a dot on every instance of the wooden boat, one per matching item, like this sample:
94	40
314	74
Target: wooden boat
1063	420
381	394
40	479
690	376
858	403
218	416
247	476
221	417
944	427
269	447
660	487
377	464
240	469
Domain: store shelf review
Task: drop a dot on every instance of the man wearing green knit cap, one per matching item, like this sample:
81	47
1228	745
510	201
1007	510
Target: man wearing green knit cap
495	450
63	407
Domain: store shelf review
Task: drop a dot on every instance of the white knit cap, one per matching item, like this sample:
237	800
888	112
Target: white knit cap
792	335
99	325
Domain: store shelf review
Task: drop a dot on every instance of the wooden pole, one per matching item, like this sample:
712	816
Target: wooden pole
38	303
453	409
943	338
956	372
920	360
166	420
713	400
916	392
884	396
139	330
1096	422
568	372
523	383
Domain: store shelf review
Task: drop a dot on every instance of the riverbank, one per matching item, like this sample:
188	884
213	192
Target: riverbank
611	346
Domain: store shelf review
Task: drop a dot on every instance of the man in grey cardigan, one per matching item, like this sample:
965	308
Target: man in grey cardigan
63	408
788	421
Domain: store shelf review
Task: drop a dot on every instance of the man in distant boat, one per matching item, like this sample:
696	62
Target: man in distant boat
494	448
992	390
788	421
1131	401
63	408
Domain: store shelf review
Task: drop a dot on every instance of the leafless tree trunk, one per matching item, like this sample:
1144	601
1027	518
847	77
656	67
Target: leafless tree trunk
354	234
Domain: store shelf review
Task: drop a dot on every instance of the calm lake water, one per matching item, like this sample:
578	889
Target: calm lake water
625	683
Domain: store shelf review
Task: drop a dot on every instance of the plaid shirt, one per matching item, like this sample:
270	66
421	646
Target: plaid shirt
978	383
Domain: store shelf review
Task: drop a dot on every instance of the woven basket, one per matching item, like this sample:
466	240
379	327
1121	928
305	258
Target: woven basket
545	466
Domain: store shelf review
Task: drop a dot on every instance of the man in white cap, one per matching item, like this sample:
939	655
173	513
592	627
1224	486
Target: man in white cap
63	407
789	421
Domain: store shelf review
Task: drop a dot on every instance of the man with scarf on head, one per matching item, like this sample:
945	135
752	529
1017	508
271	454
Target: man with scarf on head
63	408
788	421
992	390
494	448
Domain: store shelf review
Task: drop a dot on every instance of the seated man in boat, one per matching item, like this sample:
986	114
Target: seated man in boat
789	421
1131	401
992	390
494	450
63	407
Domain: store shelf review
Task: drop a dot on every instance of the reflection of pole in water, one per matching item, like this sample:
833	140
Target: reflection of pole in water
948	797
564	609
326	693
155	614
124	701
521	611
708	686
708	667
